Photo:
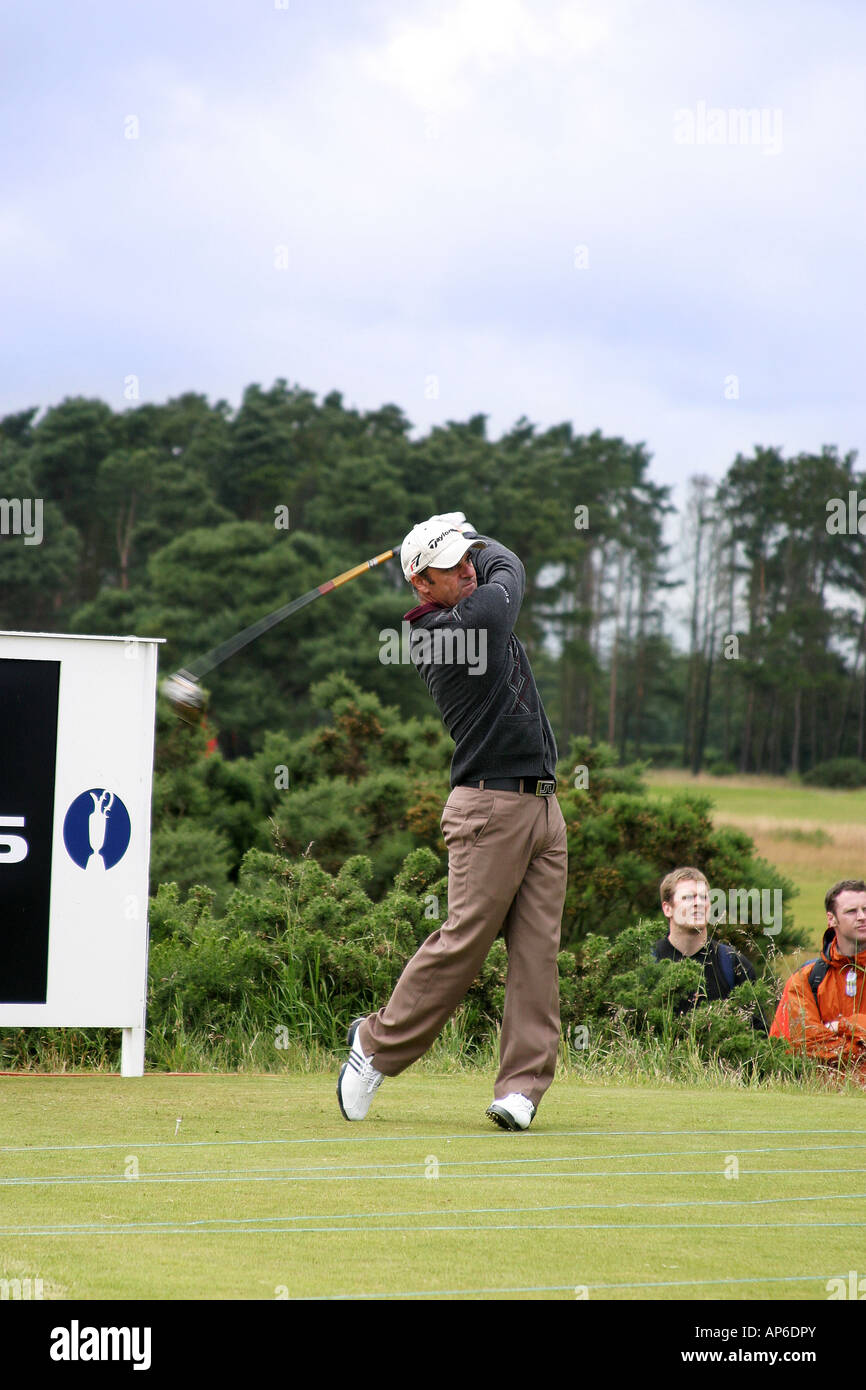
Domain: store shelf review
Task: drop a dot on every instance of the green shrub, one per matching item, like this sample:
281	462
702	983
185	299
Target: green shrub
296	948
837	772
618	988
621	845
369	782
299	952
186	853
318	932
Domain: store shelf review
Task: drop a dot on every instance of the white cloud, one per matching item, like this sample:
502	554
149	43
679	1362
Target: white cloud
438	63
445	245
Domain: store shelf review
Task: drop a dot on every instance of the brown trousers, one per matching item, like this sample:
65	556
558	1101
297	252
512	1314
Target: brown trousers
507	866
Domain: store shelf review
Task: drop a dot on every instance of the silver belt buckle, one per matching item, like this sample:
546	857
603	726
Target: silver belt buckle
545	788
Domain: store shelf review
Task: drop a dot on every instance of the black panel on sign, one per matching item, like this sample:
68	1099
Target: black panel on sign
28	750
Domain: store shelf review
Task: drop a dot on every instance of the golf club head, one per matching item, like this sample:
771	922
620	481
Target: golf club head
185	695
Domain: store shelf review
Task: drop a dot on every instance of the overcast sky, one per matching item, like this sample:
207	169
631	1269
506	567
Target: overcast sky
517	207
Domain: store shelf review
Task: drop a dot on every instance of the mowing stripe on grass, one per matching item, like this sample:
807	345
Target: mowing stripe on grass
496	1135
569	1288
538	1176
243	1222
483	1228
444	1163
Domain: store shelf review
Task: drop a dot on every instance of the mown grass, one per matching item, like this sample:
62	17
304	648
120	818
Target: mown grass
254	1188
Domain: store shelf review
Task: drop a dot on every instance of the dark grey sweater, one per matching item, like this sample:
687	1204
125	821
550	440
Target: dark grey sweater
479	675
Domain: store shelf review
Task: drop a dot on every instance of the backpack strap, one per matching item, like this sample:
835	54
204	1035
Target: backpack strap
816	975
727	964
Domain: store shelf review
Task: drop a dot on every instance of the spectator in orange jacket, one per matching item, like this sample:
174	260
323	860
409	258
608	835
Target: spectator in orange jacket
823	1007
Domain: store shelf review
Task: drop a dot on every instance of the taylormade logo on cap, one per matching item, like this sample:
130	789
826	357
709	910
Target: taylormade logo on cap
423	558
437	540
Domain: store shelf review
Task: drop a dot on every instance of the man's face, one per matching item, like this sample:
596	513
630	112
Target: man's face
690	905
447	586
849	922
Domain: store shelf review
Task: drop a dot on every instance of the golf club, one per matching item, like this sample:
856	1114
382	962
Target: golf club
182	689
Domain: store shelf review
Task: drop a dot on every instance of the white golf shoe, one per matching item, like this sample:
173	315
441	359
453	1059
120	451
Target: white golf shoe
358	1078
514	1111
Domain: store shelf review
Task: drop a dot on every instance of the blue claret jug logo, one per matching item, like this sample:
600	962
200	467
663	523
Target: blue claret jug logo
96	830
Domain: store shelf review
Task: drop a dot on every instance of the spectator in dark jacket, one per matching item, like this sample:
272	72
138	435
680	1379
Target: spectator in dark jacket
685	899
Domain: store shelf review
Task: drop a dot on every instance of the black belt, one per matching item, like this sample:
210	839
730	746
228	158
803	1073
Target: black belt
536	786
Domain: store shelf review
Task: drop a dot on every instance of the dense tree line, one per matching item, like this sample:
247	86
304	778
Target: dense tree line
189	520
775	672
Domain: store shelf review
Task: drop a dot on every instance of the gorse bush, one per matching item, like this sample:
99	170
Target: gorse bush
366	782
297	952
621	845
617	988
301	950
371	783
190	853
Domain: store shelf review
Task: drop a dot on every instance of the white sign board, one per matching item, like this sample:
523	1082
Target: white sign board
76	767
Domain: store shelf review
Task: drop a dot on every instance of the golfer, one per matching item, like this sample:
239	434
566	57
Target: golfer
502	826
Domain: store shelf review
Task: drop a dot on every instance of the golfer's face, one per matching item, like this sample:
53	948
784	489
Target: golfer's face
451	585
691	904
849	922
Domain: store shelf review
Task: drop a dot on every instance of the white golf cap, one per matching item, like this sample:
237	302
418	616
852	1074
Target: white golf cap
437	542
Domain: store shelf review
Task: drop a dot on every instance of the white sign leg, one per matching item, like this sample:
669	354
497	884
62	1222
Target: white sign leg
132	1052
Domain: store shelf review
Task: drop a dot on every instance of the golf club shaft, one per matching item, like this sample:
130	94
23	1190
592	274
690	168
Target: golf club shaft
241	639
